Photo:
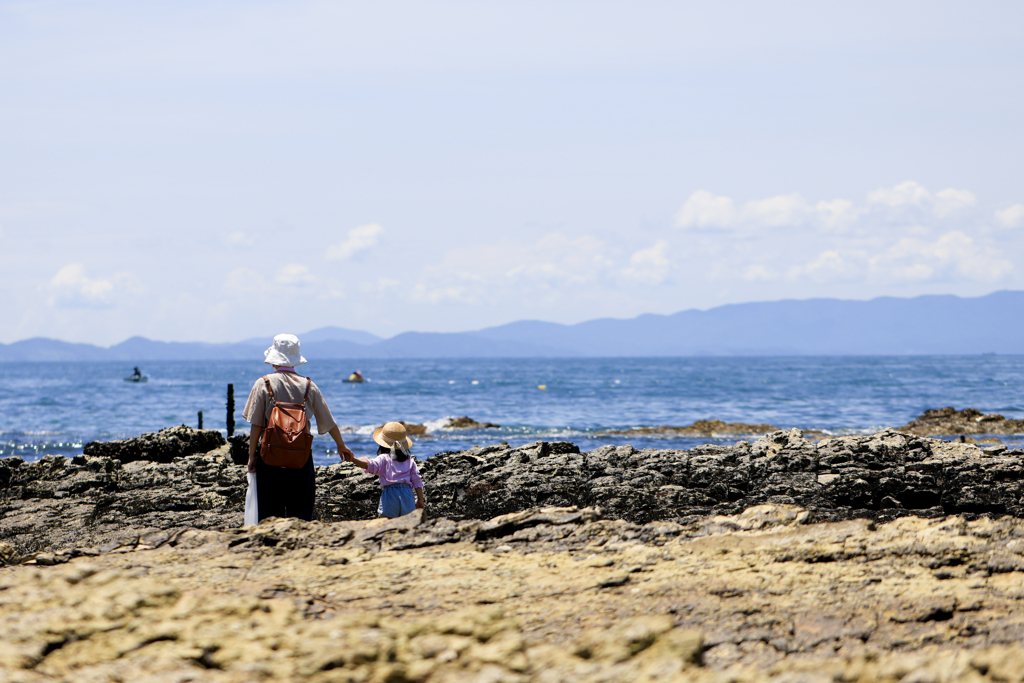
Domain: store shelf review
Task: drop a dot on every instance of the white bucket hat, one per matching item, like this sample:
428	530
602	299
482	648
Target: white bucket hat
284	351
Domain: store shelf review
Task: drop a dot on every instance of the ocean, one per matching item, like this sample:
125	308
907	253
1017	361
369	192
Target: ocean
56	408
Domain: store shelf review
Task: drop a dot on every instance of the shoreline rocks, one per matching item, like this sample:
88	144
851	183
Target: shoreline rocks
415	429
556	594
949	421
706	428
57	503
889	557
163	446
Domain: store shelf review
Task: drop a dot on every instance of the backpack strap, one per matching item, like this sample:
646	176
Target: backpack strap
309	383
266	381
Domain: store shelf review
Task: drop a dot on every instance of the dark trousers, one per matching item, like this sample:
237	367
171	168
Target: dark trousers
283	492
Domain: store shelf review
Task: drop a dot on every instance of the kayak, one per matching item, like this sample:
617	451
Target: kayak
135	378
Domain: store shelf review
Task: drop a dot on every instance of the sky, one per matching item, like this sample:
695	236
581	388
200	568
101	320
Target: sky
220	170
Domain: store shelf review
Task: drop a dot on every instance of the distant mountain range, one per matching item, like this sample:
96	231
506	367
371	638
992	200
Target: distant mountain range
924	325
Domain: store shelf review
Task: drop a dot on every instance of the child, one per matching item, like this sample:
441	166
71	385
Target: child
397	471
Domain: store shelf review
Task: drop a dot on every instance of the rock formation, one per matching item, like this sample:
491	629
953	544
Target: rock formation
57	503
163	446
469	423
555	594
949	420
534	564
706	428
414	429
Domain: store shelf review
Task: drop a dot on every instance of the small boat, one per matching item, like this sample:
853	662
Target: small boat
136	376
356	378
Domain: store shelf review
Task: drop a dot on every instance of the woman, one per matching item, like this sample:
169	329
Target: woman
282	491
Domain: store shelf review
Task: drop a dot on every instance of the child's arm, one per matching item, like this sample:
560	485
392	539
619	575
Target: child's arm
358	462
417	485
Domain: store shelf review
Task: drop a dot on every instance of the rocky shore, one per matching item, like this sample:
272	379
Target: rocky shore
57	504
549	595
707	428
889	557
949	420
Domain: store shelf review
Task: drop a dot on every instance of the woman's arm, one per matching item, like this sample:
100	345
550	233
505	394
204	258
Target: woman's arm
343	450
254	442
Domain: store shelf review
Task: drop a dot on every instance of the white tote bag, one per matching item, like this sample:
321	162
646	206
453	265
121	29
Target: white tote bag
252	511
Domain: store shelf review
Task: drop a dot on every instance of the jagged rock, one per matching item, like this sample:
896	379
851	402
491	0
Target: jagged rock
469	423
413	428
949	420
55	503
163	446
762	598
239	448
707	428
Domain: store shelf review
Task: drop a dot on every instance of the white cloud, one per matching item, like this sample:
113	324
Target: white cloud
910	193
649	266
950	200
900	235
829	266
905	193
708	211
758	273
773	212
955	253
359	239
294	275
1011	217
379	286
551	266
245	281
238	238
72	288
705	210
435	295
836	215
557	259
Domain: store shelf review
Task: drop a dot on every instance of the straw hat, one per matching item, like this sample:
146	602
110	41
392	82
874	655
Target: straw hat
391	433
284	351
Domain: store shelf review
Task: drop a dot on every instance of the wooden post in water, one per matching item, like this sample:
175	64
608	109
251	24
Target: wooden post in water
200	419
231	410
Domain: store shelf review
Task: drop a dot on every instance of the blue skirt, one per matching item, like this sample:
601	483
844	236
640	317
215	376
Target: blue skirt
396	500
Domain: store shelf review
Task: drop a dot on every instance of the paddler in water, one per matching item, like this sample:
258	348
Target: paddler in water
356	377
137	374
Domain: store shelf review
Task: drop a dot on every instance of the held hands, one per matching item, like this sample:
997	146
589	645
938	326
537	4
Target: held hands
346	454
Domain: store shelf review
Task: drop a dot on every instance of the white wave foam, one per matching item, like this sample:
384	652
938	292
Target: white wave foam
358	429
439	425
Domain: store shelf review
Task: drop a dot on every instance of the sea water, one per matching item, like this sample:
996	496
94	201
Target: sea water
56	408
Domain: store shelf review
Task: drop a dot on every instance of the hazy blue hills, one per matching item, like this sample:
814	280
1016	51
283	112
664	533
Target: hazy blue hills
925	325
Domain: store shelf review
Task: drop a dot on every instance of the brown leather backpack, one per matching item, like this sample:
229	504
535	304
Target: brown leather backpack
286	442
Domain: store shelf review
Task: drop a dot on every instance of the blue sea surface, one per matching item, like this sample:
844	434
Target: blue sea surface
58	407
